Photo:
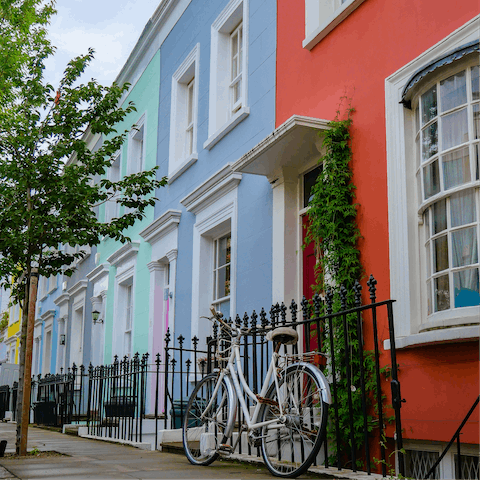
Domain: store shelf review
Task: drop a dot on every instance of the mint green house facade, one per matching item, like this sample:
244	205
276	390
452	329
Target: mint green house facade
128	287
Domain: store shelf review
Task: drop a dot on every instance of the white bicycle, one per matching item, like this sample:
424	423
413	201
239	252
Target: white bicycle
289	417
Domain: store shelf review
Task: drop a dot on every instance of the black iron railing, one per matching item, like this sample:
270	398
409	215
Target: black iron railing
319	333
60	399
455	438
117	396
116	400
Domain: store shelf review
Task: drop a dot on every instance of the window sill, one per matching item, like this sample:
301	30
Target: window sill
226	128
333	21
445	335
183	167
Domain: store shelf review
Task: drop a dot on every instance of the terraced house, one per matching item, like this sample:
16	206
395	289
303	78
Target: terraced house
233	99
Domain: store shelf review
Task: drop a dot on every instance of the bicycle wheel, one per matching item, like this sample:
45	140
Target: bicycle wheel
290	446
205	430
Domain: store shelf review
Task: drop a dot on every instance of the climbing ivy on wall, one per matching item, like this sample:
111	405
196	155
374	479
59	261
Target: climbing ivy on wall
332	212
334	230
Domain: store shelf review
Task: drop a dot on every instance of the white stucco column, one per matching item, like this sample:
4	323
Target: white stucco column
285	228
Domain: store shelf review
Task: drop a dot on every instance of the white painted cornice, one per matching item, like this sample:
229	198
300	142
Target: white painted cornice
219	184
123	253
155	266
172	255
62	299
47	314
161	226
78	288
98	272
294	141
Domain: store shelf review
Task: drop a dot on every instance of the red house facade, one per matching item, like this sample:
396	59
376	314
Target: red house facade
411	71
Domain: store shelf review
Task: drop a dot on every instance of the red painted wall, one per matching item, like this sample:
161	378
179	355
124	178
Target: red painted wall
441	382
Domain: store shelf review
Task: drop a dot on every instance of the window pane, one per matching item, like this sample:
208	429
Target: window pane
462	208
441	253
417	120
475	84
476	121
440	216
429	297
456	168
453	91
429	141
464	247
426	219
431	181
237	88
429	105
454	129
429	261
442	293
223	282
224	250
223	307
418	463
477	157
240	40
309	180
417	150
466	288
190	103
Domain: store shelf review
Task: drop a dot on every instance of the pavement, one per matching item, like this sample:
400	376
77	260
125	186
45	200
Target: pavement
93	459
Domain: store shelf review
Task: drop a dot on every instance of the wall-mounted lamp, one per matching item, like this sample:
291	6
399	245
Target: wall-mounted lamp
62	339
96	317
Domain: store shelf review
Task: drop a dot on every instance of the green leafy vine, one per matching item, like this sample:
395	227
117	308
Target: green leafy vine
333	229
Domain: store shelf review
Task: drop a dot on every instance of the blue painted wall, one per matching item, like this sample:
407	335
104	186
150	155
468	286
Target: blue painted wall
253	282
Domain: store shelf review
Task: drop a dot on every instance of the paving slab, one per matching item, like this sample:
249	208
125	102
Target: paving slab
98	460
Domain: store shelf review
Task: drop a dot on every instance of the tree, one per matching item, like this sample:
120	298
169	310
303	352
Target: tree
50	182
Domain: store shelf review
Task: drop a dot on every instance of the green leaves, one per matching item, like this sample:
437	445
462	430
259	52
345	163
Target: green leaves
50	172
332	226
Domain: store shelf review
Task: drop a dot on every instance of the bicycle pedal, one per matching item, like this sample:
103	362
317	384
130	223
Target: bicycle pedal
225	448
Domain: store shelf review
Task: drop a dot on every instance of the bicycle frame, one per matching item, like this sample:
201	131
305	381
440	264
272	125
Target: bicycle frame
234	357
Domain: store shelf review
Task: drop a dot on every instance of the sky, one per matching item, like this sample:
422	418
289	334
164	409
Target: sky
111	28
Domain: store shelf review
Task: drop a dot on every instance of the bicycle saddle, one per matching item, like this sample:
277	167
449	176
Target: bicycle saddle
285	335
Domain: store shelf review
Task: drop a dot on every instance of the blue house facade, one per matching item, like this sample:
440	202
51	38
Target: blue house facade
211	238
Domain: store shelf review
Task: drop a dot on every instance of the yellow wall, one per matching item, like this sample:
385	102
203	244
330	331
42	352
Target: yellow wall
14	327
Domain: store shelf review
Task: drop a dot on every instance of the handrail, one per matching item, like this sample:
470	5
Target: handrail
456	435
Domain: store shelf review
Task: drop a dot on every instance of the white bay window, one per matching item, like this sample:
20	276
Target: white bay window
446	123
432	112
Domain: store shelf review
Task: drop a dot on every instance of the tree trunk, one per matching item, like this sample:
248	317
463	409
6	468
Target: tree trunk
25	361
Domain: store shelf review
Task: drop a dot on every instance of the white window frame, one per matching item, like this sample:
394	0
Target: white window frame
180	159
114	174
447	464
36	355
223	116
407	260
126	297
236	54
215	204
217	301
125	261
321	17
137	146
47	352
